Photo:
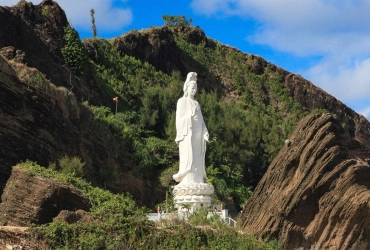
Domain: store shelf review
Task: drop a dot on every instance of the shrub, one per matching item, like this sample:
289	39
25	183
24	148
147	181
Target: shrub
176	20
71	165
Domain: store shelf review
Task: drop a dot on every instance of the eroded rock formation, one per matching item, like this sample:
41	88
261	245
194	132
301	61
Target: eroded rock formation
316	192
28	198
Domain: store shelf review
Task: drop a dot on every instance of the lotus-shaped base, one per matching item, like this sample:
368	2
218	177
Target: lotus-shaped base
194	194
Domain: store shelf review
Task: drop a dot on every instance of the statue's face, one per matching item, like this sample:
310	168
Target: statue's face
192	89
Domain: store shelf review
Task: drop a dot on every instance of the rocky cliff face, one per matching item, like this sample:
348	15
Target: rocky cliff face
33	35
42	120
37	31
30	199
316	192
42	123
312	97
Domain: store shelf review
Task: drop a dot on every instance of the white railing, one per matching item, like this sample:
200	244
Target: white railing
165	216
230	221
168	216
153	216
210	214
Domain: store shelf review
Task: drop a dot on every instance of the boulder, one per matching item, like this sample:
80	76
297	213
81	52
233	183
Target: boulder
316	192
74	216
30	199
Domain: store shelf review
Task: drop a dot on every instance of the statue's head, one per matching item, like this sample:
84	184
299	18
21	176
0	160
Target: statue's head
190	88
192	76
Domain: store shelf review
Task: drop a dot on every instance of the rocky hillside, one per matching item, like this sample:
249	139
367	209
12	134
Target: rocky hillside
157	46
41	118
316	192
44	116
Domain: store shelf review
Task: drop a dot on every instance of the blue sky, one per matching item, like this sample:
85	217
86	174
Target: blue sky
325	41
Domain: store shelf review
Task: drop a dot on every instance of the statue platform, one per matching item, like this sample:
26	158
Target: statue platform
196	195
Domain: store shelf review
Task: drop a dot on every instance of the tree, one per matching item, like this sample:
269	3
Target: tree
73	52
92	13
176	20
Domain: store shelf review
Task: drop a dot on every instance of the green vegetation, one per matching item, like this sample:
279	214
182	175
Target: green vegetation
44	11
248	126
176	20
248	111
21	3
69	165
247	130
149	154
119	224
73	53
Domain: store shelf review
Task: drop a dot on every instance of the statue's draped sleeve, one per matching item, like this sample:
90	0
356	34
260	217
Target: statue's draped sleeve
183	119
204	146
183	135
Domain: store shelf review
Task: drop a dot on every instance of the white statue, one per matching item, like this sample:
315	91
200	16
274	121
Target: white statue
192	135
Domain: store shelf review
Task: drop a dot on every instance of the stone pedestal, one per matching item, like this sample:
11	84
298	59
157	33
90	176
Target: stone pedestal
197	195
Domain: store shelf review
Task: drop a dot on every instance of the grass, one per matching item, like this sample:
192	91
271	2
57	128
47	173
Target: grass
120	224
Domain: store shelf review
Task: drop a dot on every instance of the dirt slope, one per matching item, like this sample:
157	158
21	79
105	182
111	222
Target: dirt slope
316	192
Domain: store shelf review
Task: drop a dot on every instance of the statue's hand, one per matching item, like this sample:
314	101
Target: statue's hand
206	136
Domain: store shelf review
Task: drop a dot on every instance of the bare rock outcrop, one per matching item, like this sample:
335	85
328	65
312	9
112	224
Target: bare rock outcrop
28	198
316	192
157	46
37	30
74	216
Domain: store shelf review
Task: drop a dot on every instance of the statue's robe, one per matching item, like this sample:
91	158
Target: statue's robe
189	119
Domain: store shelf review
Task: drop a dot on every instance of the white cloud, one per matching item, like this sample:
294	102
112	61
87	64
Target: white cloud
300	27
337	32
211	7
346	82
109	14
107	17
